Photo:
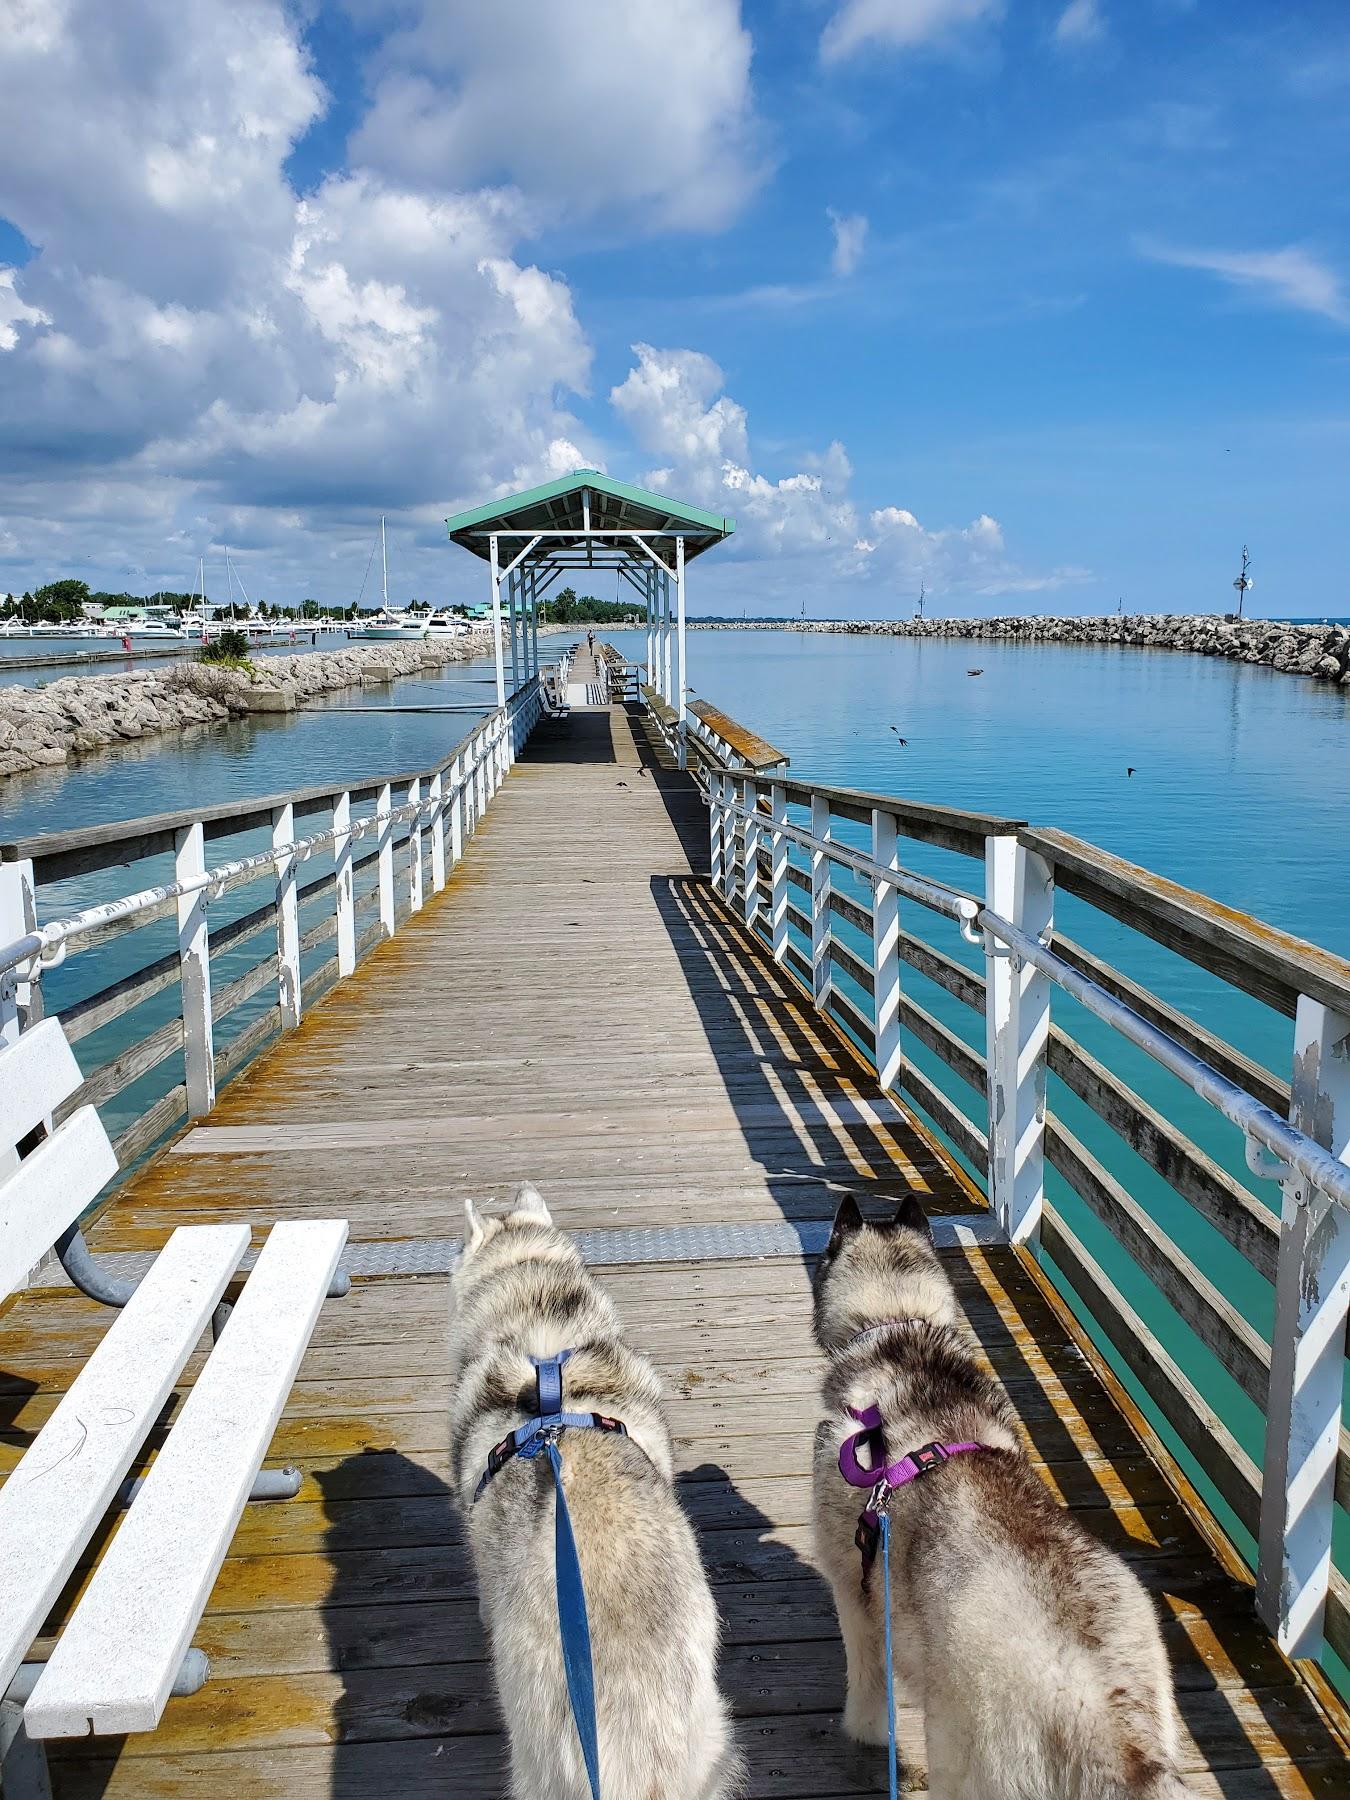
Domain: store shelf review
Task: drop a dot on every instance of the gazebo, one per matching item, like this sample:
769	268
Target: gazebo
586	522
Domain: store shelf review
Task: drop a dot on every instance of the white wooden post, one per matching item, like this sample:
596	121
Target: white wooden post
820	901
668	683
778	873
680	664
513	609
438	831
1307	1352
415	849
886	951
482	751
751	889
18	916
384	840
717	826
288	919
459	805
497	619
194	969
650	575
344	897
1020	887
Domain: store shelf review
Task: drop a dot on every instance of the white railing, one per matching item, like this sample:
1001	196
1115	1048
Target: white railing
763	863
436	812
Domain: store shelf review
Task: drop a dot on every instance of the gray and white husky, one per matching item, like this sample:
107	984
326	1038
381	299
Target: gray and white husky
1033	1651
520	1289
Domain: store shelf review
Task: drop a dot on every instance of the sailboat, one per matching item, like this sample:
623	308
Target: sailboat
386	625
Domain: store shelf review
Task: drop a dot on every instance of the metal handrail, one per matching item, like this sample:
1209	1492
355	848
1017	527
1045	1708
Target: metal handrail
53	936
1255	1120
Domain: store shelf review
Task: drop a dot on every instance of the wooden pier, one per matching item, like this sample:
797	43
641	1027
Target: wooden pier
576	1007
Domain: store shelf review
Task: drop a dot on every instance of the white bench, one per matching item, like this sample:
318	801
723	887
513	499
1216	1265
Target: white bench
125	1647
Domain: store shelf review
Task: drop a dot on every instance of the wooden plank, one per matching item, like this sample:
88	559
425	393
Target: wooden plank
49	1190
1251	955
1216	1195
116	1661
54	1500
748	745
1195	1422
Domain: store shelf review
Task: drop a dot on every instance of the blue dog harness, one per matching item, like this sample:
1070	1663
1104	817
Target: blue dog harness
542	1433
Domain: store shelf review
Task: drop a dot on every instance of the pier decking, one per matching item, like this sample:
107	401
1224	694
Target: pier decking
575	1008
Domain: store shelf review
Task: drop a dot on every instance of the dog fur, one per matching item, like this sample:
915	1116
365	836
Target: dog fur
520	1289
1033	1652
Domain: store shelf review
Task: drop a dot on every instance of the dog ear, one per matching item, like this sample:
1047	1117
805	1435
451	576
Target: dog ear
529	1201
473	1228
847	1220
910	1216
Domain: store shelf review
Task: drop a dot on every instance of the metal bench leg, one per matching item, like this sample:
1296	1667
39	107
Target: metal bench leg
268	1484
23	1763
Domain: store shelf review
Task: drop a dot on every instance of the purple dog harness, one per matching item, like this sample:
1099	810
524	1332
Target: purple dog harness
882	1477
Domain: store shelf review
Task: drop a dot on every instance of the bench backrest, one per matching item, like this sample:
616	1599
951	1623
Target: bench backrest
53	1185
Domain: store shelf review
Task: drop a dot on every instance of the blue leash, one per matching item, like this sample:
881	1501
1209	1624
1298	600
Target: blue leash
574	1626
891	1770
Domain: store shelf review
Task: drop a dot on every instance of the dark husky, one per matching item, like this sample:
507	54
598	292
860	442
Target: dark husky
1033	1652
520	1289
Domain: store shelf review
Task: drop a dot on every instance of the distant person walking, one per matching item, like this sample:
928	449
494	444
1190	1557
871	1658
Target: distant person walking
590	642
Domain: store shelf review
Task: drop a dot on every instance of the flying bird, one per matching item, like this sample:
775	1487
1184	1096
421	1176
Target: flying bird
974	671
1128	771
902	741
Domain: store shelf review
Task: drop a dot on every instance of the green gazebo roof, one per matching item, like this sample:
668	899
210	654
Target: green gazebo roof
562	507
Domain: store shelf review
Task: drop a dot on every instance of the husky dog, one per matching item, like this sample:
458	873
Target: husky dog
520	1289
1033	1652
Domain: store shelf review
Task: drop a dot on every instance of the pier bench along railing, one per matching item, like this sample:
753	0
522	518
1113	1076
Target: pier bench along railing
164	1031
846	919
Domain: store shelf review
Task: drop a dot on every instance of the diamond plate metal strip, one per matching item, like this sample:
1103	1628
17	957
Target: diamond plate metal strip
603	1249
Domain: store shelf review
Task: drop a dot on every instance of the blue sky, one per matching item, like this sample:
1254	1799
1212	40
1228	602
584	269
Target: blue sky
1041	305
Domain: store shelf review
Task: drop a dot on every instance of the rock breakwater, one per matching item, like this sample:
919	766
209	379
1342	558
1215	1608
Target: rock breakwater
47	725
1319	651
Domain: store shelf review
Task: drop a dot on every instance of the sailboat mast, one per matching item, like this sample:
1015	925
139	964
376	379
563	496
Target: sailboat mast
384	566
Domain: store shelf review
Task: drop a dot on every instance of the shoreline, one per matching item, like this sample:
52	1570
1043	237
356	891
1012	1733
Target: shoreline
1321	652
44	727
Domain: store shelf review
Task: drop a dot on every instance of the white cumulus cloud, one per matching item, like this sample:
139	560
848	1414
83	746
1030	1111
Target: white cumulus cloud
900	24
637	108
808	521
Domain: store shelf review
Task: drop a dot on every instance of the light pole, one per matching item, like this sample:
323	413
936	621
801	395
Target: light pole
1244	580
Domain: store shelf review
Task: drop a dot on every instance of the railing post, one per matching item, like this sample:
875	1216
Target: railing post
288	919
750	801
194	968
1307	1352
384	839
1019	887
415	849
886	951
778	874
459	808
18	916
821	981
482	760
717	826
438	832
344	896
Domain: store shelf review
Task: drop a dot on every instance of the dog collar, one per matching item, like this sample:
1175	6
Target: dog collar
871	1331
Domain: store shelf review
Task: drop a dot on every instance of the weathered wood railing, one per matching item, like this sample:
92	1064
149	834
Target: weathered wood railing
227	985
846	919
